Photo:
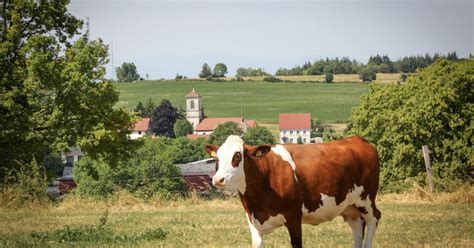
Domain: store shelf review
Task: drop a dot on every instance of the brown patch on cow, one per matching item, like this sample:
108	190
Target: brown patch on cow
236	159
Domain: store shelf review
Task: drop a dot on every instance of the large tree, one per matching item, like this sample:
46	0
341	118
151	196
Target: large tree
223	131
163	119
182	127
435	108
52	92
127	72
258	136
220	70
205	71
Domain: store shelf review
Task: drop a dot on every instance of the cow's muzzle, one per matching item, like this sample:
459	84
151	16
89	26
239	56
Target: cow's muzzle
218	181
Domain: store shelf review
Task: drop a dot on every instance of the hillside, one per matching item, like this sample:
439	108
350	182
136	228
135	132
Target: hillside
259	100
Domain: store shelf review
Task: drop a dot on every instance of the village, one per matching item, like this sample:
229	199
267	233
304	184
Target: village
293	128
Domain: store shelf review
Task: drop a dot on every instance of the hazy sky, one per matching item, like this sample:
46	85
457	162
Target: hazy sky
164	38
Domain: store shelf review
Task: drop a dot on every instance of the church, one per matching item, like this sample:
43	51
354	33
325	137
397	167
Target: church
204	126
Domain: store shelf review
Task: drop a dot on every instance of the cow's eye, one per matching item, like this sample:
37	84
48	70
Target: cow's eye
236	159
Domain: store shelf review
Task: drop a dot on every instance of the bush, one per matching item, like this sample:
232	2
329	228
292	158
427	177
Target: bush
367	74
435	108
223	131
329	78
272	79
258	136
182	127
93	177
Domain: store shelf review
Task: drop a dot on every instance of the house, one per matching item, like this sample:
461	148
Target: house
140	128
295	126
207	126
198	175
72	156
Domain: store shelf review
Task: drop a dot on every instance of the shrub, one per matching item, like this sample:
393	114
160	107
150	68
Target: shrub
329	78
367	74
258	136
272	79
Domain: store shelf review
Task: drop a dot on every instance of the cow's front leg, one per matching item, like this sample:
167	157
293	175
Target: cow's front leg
257	237
294	229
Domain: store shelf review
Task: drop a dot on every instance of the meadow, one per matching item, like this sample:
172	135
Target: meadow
257	100
383	78
195	222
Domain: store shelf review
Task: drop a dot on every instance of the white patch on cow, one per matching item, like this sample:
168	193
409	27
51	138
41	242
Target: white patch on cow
285	155
357	231
234	178
269	225
257	239
329	210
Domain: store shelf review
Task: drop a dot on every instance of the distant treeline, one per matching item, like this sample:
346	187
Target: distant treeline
377	63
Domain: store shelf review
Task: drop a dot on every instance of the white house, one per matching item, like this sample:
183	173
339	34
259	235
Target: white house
294	126
140	128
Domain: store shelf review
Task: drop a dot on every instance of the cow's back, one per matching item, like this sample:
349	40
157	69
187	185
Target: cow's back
334	169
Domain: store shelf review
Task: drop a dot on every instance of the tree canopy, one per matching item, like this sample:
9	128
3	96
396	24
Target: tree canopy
434	108
127	72
52	92
163	119
258	136
223	131
205	71
220	69
182	127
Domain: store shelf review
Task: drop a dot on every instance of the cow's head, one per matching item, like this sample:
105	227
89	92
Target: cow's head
230	159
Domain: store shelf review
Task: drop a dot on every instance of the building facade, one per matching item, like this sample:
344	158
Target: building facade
194	108
294	127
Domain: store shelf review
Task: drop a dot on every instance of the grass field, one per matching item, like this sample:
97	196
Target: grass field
383	78
259	100
222	223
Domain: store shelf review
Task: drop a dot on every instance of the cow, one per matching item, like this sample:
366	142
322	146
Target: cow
290	185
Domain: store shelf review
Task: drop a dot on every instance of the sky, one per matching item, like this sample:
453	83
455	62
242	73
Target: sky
166	38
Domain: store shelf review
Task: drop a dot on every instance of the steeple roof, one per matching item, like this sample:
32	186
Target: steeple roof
193	94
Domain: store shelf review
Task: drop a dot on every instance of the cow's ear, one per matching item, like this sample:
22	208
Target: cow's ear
258	152
212	150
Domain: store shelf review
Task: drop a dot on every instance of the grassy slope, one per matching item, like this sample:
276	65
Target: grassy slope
261	101
220	223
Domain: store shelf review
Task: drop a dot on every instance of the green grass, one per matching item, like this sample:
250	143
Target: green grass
222	223
260	100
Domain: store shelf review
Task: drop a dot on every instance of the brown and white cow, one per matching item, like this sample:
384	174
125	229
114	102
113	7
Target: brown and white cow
294	184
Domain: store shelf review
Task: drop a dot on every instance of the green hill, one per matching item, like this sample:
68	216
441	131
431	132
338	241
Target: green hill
258	100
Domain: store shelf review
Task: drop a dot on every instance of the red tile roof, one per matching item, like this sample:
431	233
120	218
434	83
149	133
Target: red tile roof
141	125
197	136
295	121
192	94
251	123
209	124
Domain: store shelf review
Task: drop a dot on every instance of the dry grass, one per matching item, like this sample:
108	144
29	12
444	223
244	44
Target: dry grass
411	219
383	78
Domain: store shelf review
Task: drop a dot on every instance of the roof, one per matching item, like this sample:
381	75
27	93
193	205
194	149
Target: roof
209	124
142	125
295	121
251	123
192	94
197	136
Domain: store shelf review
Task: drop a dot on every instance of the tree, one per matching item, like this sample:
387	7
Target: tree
223	131
258	136
435	108
163	119
140	109
150	105
205	71
127	72
299	140
182	127
189	150
220	70
329	78
53	94
367	74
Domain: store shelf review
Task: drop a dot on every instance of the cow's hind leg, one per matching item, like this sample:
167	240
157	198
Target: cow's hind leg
353	217
371	218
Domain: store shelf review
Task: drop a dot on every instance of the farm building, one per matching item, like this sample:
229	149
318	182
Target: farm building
198	174
295	126
140	128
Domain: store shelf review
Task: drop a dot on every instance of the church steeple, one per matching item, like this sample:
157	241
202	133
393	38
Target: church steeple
194	108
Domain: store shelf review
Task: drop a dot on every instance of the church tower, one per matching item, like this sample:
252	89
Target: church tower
194	108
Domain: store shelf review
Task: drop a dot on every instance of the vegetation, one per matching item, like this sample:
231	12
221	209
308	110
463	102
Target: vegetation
272	79
182	127
250	72
329	78
407	220
435	108
127	72
52	92
223	130
205	71
260	101
367	74
163	119
220	69
258	136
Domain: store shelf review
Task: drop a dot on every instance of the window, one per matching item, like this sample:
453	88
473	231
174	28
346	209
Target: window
304	132
139	132
304	140
291	131
298	132
284	132
291	140
192	104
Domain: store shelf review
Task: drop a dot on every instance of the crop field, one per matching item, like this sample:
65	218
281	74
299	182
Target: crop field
261	101
222	223
384	78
